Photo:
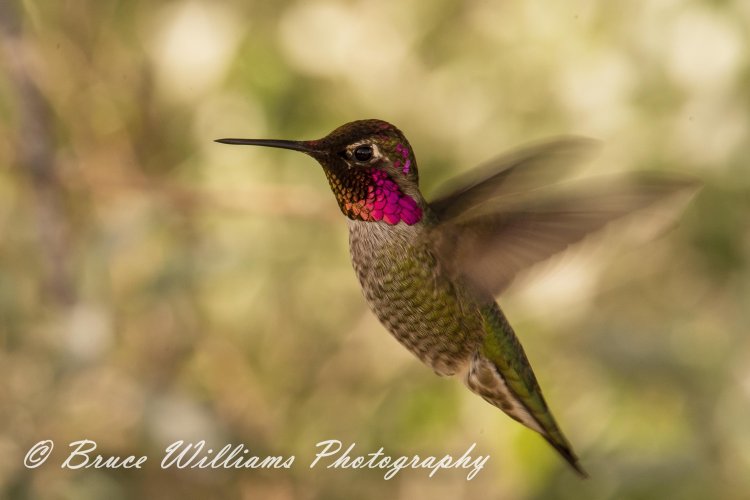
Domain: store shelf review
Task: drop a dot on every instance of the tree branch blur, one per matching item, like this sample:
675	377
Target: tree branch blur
35	154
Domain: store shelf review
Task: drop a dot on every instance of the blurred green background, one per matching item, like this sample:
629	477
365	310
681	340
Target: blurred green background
157	286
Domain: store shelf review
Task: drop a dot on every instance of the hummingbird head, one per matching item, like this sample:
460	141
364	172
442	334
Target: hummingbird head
370	167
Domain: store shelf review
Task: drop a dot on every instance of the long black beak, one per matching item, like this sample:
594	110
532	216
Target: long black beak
272	143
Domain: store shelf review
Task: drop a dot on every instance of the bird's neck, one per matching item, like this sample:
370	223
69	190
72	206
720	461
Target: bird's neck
370	195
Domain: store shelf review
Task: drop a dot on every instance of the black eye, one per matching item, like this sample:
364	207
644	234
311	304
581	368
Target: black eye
363	153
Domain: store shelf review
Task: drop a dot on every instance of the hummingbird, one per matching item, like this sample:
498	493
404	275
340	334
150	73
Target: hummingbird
430	271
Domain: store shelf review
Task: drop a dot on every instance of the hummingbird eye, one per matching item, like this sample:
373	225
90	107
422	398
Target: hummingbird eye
363	153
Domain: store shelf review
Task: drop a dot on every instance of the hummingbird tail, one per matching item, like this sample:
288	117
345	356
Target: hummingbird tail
567	453
500	373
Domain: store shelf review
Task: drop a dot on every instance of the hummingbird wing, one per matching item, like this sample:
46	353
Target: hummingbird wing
512	173
490	243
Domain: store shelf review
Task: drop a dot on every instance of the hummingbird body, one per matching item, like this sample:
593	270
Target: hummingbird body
451	330
430	271
406	288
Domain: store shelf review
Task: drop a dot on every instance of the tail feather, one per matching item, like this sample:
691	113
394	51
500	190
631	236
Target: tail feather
501	374
567	453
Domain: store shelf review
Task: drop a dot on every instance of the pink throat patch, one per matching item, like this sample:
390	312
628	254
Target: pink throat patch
386	202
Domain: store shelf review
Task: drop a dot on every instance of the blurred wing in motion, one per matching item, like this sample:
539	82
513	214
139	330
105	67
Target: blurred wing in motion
489	244
513	173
